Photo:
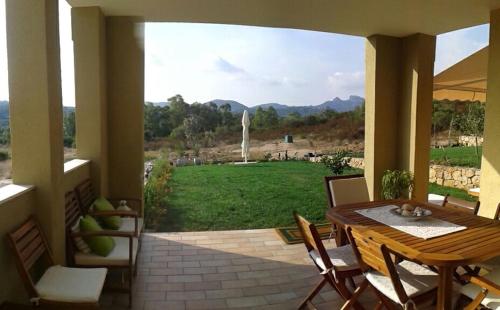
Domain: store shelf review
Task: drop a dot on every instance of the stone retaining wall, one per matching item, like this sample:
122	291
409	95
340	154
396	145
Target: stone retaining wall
470	140
458	177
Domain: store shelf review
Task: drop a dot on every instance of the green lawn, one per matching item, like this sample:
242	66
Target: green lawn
261	195
456	156
455	192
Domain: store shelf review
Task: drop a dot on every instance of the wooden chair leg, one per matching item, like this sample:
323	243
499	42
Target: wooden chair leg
349	303
131	276
351	282
346	294
384	300
313	293
477	301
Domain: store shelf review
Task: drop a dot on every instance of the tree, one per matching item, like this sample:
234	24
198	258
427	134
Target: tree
472	123
259	119
69	128
69	124
179	110
271	118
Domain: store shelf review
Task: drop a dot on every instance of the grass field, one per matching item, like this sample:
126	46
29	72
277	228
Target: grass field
456	156
258	195
455	192
263	195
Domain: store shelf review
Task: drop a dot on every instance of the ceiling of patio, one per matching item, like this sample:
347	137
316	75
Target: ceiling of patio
354	17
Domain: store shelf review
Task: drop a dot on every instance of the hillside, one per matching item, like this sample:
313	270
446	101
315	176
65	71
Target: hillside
4	112
335	104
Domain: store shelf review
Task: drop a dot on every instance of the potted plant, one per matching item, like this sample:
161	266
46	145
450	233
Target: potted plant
397	184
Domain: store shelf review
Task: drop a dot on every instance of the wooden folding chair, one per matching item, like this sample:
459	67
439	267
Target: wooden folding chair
342	190
460	204
482	290
405	283
58	287
335	265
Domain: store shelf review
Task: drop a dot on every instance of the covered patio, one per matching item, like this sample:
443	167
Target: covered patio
248	269
213	269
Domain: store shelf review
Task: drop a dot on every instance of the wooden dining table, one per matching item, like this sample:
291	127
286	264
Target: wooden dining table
480	241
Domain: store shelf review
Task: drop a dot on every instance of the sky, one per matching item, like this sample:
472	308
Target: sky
252	65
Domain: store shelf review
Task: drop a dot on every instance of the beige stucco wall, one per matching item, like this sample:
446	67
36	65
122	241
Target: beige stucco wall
490	164
76	175
382	61
125	71
89	39
399	73
415	111
36	109
12	214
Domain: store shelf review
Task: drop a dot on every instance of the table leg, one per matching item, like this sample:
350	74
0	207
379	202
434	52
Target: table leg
341	237
445	288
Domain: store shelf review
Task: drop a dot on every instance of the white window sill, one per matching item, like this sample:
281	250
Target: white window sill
74	164
12	191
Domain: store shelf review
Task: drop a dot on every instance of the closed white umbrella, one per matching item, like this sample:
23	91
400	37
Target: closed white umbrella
245	144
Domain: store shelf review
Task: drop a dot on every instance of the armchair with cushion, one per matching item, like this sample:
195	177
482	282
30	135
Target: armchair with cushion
131	221
122	255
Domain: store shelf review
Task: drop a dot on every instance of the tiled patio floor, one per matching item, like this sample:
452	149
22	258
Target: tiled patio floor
250	269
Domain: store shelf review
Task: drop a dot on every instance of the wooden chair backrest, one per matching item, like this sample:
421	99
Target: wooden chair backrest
29	246
373	255
497	213
86	195
460	204
312	239
73	212
328	189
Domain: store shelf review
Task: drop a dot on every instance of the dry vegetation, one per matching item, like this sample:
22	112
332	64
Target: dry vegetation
320	138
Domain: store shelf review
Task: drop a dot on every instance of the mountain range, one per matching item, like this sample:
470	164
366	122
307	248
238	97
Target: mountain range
335	104
4	112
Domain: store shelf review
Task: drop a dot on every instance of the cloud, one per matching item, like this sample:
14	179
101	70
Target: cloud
454	46
282	82
343	84
225	66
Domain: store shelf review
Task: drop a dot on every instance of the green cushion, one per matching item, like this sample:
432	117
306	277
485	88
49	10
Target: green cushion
100	245
110	222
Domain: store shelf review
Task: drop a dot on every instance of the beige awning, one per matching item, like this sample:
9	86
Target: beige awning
465	80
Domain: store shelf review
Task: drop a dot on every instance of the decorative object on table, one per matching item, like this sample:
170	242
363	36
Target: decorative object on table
431	228
291	235
411	213
397	184
336	162
245	144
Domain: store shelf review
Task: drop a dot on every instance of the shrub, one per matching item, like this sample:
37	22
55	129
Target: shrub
268	157
4	155
336	162
155	192
397	184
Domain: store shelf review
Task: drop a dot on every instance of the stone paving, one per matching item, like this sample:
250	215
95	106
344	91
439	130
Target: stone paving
249	269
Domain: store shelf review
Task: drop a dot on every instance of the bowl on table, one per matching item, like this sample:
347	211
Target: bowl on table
411	213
